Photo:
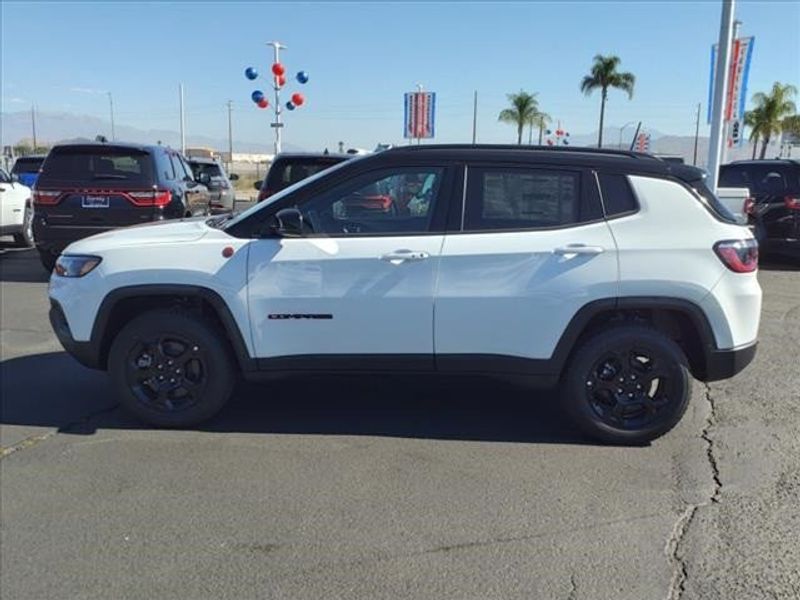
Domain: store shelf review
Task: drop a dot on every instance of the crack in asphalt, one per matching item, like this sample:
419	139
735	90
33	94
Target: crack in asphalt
573	588
71	427
680	574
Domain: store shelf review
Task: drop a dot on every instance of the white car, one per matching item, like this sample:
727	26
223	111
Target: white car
614	275
16	212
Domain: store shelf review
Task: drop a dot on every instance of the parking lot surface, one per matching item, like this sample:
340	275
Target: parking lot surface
401	487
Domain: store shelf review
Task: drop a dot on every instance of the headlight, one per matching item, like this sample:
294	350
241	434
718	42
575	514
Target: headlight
75	266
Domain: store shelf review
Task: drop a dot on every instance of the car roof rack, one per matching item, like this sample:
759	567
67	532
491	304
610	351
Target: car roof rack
571	149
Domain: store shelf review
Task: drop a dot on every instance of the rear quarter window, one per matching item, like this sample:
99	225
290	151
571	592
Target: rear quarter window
618	197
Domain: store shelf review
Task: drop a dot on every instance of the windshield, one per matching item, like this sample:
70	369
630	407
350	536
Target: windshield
284	192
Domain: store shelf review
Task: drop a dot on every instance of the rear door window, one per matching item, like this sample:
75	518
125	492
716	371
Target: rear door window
517	198
97	166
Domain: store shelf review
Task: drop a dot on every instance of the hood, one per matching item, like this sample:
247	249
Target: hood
160	232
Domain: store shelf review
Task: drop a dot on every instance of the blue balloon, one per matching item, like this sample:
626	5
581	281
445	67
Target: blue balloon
302	77
257	96
250	73
290	106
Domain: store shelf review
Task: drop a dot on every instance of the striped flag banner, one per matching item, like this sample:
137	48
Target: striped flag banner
738	73
420	113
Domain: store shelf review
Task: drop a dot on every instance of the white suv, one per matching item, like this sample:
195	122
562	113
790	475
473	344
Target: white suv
614	275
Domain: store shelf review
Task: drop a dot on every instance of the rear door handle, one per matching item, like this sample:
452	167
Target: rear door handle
578	249
400	256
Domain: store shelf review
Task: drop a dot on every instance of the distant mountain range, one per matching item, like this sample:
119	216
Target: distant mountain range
63	126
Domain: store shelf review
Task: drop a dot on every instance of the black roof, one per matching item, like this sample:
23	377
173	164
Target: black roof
768	161
622	160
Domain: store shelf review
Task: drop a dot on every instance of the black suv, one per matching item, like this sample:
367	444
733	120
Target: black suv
775	210
211	174
84	189
288	169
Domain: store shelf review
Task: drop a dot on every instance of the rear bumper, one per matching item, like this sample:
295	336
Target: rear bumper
85	353
724	364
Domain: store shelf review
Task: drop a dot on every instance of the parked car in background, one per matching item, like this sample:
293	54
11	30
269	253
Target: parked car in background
15	210
26	168
737	201
210	173
85	189
288	169
774	211
612	275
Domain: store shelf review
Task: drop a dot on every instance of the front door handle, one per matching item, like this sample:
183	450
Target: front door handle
400	256
579	249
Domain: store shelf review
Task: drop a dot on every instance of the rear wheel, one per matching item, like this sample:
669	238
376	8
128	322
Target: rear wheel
171	369
628	384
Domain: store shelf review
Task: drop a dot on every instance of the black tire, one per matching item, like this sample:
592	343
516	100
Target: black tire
171	369
627	384
48	259
25	237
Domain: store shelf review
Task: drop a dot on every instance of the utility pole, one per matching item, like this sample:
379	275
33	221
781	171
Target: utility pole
230	135
717	137
474	116
696	134
277	46
183	122
33	125
621	129
111	108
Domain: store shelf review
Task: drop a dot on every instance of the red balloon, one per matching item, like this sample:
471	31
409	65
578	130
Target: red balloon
277	69
298	99
281	80
263	103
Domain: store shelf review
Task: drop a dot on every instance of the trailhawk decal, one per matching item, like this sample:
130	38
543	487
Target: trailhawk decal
282	317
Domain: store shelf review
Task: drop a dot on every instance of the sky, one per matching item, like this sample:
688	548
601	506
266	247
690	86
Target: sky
362	56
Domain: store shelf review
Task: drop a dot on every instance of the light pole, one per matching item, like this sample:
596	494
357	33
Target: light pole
277	125
111	108
717	137
621	129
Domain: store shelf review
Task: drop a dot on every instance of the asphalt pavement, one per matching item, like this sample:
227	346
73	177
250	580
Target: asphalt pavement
391	487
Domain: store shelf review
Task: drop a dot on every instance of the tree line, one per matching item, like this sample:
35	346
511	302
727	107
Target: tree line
774	111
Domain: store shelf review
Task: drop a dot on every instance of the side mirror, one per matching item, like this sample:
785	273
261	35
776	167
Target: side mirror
289	222
204	178
257	185
233	177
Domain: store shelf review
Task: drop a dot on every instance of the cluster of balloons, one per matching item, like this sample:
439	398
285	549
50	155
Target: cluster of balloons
279	74
561	137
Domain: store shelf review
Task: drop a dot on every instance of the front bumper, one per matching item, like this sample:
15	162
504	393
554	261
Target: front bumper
724	364
84	352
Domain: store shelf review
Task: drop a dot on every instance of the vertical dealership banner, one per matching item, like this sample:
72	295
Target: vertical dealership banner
739	71
420	114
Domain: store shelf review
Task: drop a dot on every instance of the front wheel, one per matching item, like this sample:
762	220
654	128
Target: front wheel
627	384
25	237
171	369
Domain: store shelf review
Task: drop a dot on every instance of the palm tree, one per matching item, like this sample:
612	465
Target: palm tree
524	108
753	119
773	108
604	75
540	120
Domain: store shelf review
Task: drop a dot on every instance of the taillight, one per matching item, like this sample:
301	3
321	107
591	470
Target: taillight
740	256
263	195
155	198
792	202
47	197
749	206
